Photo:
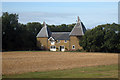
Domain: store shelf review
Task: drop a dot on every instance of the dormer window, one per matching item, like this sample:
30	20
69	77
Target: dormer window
52	42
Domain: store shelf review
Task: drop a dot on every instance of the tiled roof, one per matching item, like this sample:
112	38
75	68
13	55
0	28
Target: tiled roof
44	32
79	29
60	35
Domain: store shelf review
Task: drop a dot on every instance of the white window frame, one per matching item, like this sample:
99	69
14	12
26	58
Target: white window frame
52	49
65	41
72	46
52	42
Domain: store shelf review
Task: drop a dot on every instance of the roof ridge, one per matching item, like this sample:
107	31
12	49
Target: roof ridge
60	32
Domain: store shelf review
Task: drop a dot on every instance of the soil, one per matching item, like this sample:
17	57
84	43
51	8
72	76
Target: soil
22	62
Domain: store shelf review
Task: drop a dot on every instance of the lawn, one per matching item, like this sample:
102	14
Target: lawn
101	71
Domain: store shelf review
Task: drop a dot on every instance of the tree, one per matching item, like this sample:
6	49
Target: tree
111	38
9	27
16	36
103	38
34	27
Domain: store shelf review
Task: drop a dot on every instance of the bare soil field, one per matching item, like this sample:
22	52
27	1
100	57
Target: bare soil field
22	62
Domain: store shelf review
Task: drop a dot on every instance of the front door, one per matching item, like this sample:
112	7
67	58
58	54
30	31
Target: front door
62	48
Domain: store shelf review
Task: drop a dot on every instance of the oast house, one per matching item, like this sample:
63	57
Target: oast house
60	41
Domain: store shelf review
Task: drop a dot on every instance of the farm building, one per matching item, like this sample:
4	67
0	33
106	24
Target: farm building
60	41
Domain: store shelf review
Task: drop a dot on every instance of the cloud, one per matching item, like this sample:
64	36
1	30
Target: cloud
50	18
90	20
91	14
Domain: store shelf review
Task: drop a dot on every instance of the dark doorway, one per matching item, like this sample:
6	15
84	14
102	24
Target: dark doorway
61	48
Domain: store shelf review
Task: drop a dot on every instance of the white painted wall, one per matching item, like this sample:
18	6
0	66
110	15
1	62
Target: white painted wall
52	49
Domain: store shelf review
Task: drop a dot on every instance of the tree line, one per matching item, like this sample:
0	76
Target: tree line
17	36
103	38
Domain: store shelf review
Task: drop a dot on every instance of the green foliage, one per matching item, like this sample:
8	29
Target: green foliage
104	71
103	38
17	36
9	29
61	28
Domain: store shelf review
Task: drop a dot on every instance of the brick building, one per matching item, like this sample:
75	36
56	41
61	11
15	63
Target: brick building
60	41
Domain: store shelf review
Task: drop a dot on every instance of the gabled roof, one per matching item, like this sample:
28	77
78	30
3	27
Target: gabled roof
60	35
51	39
44	32
79	29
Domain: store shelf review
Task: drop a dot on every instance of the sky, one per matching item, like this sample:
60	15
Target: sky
59	0
90	13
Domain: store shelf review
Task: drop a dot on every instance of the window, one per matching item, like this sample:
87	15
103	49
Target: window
52	42
65	41
53	47
42	46
73	46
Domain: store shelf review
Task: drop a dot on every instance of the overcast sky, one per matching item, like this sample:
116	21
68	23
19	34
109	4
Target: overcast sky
90	13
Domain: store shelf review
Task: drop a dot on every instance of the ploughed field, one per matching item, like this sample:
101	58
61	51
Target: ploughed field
23	62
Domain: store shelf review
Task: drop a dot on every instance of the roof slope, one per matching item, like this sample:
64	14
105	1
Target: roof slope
44	32
79	29
60	35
